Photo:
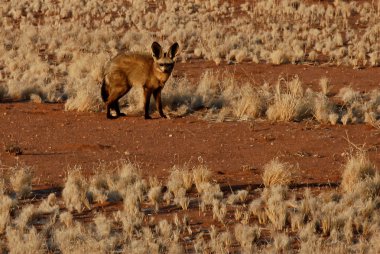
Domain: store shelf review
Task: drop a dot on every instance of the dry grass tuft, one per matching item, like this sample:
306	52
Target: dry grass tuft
155	196
74	193
276	173
103	226
246	236
29	241
180	180
6	204
201	174
289	102
325	85
21	181
357	169
49	205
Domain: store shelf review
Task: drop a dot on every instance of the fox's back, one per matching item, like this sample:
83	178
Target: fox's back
136	67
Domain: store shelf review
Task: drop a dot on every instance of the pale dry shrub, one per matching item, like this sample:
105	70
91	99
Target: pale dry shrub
220	242
181	199
75	239
131	202
296	221
103	226
246	236
208	91
333	118
325	85
209	192
348	95
165	229
49	205
21	181
371	118
240	196
2	186
219	210
139	246
201	174
177	96
289	102
3	91
26	216
22	242
248	102
168	197
99	189
155	196
130	222
67	219
278	57
127	178
374	58
281	243
324	110
83	88
356	170
257	209
179	178
232	199
6	204
200	245
276	208
276	173
176	248
312	55
74	194
153	182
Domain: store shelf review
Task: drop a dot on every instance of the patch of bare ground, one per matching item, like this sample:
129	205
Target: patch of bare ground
53	140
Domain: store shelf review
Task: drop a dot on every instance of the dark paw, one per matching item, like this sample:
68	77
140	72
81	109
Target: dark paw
121	114
148	117
163	116
111	117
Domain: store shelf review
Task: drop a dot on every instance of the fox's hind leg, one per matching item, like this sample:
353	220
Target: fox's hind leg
117	109
119	86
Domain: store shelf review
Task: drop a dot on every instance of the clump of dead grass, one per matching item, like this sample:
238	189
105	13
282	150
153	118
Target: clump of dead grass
277	173
6	204
289	102
74	193
21	181
357	169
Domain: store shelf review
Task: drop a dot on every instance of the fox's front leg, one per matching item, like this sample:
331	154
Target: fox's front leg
147	95
157	98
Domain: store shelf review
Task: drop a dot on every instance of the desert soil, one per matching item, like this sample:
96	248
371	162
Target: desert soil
53	140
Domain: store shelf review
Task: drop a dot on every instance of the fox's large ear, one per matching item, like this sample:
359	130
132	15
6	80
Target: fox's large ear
173	50
156	50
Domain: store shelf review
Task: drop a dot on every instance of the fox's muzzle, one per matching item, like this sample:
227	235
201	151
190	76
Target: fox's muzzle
167	67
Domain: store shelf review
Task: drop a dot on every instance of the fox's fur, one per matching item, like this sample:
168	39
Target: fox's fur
132	69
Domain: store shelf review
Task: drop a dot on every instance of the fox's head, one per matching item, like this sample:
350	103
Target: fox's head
164	61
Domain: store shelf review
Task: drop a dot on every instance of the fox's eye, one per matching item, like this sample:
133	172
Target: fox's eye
162	65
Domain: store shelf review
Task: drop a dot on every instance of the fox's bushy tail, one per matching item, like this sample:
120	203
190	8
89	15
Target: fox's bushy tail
104	91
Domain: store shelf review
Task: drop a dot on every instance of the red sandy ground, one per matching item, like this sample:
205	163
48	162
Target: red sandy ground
54	140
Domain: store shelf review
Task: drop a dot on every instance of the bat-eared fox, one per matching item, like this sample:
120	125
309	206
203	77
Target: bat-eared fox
132	69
